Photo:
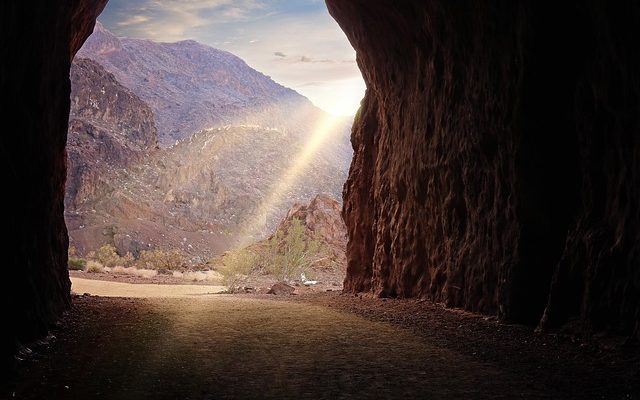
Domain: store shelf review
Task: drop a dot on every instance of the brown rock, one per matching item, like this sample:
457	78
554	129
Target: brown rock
281	289
496	157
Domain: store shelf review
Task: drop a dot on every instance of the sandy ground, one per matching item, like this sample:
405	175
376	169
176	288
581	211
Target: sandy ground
241	348
311	346
140	290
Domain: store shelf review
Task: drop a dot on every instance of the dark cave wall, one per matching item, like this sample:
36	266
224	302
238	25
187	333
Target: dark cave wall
39	40
496	157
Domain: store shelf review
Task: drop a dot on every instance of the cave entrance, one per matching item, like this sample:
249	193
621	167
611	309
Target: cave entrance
180	148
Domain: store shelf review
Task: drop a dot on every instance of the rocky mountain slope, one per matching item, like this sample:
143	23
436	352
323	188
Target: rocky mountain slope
109	128
191	86
216	188
202	192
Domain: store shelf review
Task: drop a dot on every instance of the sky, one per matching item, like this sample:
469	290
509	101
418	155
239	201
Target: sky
296	42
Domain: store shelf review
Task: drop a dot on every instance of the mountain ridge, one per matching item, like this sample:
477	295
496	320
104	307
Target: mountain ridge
222	88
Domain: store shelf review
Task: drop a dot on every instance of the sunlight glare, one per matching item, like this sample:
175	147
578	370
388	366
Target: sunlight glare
343	98
324	130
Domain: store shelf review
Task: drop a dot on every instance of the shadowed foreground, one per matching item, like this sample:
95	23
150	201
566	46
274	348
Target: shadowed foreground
230	347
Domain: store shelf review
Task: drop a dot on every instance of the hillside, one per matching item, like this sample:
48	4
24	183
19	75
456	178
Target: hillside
191	86
208	191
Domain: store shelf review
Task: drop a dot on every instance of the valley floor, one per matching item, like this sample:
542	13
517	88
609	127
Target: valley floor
316	346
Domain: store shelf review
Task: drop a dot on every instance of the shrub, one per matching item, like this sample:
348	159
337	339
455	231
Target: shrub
94	267
109	257
292	252
77	264
236	267
161	259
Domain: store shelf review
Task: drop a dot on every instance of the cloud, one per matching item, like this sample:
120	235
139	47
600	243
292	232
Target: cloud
134	20
305	59
279	54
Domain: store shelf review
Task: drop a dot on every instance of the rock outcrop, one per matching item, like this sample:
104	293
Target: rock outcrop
496	158
323	219
36	54
109	128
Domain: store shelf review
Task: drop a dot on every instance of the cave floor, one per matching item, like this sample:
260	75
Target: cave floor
321	346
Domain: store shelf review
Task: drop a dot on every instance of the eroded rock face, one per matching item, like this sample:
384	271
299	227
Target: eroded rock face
36	55
496	152
109	128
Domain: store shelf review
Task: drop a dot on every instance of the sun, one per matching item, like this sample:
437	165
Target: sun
341	98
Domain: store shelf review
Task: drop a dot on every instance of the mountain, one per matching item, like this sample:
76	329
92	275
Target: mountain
264	148
218	188
109	128
191	86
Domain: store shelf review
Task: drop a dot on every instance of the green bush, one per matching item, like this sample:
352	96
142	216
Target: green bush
77	264
161	259
292	252
236	267
109	257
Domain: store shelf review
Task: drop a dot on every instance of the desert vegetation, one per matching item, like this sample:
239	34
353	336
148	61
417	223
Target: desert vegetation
293	254
106	258
287	256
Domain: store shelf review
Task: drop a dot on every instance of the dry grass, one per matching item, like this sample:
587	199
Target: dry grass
198	276
94	267
141	272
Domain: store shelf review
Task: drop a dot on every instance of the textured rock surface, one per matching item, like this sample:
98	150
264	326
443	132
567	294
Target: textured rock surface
34	76
109	128
496	151
322	218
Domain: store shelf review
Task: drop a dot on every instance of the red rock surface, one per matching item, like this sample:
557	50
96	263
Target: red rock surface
496	151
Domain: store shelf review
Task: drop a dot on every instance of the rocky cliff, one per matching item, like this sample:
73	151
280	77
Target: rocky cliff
191	86
109	129
496	158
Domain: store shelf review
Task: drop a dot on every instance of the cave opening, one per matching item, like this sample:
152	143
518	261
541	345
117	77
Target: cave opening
183	160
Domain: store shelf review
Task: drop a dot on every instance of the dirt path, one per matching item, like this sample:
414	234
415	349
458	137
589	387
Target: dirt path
228	347
140	290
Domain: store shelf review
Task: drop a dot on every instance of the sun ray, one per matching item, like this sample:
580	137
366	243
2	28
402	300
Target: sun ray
325	129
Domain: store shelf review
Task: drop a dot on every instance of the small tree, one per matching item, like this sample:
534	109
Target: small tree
107	256
75	263
161	259
292	252
237	265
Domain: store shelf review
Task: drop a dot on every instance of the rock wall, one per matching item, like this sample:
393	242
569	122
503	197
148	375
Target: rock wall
496	157
39	40
109	128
